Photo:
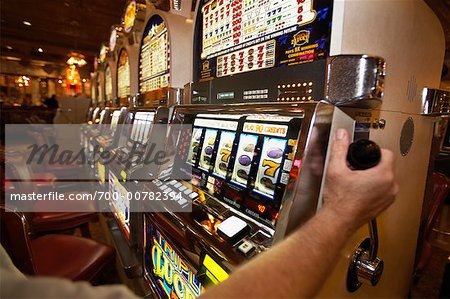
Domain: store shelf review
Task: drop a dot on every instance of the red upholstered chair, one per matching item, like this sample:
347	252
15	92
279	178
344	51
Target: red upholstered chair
44	221
441	188
63	256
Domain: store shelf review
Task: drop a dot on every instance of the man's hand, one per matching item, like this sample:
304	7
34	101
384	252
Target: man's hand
357	196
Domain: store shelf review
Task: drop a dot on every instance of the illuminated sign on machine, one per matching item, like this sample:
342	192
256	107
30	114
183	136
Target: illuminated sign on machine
108	84
232	23
113	39
103	51
240	36
130	16
249	59
123	75
174	276
155	56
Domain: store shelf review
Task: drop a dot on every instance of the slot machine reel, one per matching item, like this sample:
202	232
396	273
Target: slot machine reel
365	264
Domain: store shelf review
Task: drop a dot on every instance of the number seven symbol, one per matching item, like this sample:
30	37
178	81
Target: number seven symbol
272	167
225	154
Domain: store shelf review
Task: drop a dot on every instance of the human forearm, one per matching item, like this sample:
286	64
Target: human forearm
290	269
298	266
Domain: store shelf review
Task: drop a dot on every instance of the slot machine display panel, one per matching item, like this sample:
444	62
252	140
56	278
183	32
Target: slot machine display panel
243	160
108	141
287	41
123	78
100	130
154	61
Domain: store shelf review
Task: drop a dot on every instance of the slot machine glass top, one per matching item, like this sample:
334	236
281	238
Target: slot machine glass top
123	75
154	68
240	42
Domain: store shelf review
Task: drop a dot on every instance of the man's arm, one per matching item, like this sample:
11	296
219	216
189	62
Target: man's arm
298	266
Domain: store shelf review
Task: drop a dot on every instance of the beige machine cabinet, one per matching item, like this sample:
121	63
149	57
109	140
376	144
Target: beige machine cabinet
409	37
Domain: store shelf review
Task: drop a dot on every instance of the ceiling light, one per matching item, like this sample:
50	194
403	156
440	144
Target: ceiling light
84	80
26	23
76	59
12	58
9	47
40	50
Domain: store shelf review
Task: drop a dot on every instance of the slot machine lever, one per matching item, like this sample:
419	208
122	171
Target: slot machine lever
365	264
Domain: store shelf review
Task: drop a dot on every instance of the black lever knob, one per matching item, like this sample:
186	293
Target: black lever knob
363	154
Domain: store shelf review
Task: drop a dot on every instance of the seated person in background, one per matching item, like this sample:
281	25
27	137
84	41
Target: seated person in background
308	254
51	102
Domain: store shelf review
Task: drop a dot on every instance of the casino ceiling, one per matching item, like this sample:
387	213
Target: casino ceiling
59	26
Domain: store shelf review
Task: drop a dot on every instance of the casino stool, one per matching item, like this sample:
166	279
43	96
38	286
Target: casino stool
44	222
441	188
62	256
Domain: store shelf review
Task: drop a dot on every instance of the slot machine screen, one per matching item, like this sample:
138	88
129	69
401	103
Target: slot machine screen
141	127
119	203
243	36
123	75
154	66
242	160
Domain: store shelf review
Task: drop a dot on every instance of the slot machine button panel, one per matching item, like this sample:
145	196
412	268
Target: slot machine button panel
182	201
193	195
188	191
246	248
233	229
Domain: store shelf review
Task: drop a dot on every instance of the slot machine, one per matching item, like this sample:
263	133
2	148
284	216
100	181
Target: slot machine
163	42
86	128
106	142
275	79
125	227
97	131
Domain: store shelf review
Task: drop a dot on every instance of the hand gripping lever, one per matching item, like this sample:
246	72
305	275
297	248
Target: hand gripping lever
365	265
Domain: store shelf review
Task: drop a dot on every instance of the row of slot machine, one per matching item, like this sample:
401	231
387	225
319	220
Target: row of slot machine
247	138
